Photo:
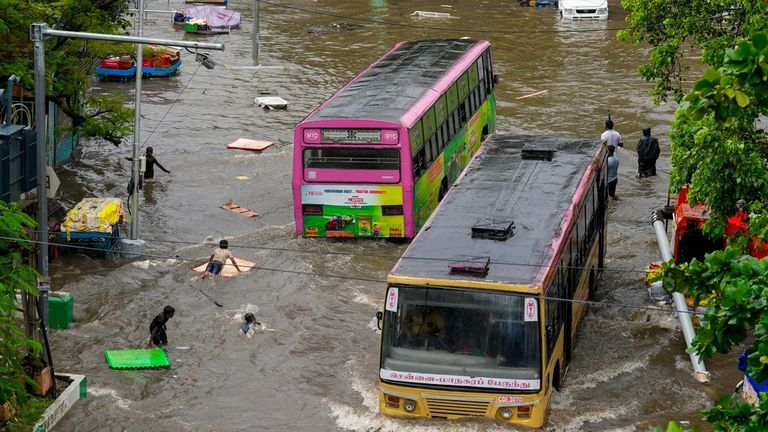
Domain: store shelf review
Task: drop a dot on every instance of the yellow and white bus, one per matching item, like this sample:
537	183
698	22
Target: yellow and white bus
479	318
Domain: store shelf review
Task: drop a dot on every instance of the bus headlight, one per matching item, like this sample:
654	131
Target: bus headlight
505	413
409	405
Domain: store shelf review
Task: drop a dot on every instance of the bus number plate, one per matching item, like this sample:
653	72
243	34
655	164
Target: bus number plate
352	136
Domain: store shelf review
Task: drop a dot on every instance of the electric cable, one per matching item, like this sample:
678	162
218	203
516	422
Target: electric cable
355	278
369	255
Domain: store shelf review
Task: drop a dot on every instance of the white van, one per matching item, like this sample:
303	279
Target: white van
584	9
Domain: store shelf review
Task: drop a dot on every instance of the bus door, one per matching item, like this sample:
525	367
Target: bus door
568	293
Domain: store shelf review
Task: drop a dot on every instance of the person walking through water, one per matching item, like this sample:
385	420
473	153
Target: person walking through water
613	173
149	171
217	259
647	153
610	137
157	336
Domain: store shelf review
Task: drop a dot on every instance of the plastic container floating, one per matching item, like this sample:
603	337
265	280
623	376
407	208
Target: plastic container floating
427	14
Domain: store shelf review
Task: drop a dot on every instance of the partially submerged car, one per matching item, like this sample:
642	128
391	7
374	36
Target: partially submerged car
584	9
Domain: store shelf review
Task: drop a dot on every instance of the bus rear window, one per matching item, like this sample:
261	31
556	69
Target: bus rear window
352	158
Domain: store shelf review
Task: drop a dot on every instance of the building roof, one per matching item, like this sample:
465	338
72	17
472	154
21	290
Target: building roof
392	85
500	187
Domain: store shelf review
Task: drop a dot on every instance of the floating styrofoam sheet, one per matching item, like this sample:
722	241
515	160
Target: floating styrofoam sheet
249	144
271	102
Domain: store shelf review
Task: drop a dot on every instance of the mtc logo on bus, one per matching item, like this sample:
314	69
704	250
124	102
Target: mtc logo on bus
531	311
312	135
389	137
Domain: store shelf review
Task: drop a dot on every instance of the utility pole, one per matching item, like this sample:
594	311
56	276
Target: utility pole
137	132
255	44
36	35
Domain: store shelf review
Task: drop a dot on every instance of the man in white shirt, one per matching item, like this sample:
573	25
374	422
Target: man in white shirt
610	137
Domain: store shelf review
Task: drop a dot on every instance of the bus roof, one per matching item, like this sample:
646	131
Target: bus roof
500	186
393	84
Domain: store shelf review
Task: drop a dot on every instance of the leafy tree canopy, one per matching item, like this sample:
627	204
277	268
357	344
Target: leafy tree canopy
14	276
676	28
69	63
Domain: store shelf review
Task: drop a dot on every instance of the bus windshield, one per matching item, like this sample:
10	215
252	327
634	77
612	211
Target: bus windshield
352	158
461	338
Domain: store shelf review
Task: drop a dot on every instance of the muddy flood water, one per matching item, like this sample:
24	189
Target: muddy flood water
314	365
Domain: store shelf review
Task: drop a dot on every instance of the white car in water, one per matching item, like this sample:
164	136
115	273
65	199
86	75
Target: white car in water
584	9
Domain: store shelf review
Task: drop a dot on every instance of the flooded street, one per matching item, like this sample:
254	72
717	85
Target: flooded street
314	366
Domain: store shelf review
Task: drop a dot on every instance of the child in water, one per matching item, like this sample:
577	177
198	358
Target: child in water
217	259
248	326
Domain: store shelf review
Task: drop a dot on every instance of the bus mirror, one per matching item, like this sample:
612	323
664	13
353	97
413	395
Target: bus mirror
379	316
495	78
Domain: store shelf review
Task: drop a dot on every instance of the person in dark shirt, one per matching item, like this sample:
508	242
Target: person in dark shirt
647	153
151	162
157	336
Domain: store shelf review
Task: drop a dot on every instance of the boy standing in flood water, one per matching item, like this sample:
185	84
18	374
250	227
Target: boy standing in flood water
157	336
613	172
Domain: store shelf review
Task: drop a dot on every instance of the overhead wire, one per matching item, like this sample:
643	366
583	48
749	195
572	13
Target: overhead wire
353	278
369	255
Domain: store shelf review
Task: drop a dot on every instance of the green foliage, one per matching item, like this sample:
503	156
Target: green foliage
734	415
69	63
28	414
14	276
679	28
736	288
715	144
674	427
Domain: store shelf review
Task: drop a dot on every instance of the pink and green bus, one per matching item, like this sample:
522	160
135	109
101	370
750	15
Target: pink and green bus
376	157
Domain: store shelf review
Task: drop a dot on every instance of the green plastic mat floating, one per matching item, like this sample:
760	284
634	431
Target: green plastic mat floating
137	358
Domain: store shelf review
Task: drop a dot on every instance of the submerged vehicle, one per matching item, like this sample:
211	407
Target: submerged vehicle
584	9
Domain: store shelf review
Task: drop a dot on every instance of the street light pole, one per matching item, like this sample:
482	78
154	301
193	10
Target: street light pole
37	36
137	130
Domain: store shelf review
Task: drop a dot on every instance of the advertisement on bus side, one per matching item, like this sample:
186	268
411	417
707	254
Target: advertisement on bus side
449	165
352	211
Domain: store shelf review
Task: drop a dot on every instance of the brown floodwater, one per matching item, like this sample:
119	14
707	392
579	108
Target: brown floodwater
314	365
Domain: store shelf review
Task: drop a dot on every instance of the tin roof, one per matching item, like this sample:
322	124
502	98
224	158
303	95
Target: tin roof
395	82
501	187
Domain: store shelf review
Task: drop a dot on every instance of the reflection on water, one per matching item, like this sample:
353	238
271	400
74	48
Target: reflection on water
315	368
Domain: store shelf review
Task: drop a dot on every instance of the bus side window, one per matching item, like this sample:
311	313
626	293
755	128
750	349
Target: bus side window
482	90
457	122
463	106
443	135
433	145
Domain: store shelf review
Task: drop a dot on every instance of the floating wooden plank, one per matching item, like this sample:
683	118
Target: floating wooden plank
249	144
532	94
239	210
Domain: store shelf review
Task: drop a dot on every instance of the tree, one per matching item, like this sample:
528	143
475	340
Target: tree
718	149
15	276
674	28
69	63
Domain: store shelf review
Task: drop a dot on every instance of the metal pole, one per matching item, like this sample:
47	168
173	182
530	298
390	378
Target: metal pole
137	129
700	371
36	34
255	47
132	39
